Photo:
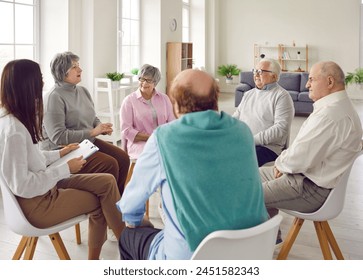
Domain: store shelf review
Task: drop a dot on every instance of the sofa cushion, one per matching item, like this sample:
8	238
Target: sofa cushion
290	81
304	97
294	95
304	80
243	87
247	78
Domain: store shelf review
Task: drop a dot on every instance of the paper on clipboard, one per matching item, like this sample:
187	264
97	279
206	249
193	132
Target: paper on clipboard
86	149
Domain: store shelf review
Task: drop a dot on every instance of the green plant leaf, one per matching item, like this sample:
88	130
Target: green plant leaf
115	76
228	70
355	77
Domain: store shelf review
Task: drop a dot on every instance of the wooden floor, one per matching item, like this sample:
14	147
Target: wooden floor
348	227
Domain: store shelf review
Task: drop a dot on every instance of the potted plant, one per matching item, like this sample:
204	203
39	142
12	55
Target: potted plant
354	83
115	78
355	77
228	70
135	71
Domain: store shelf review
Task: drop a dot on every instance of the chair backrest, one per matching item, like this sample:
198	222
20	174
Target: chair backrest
19	224
334	203
256	243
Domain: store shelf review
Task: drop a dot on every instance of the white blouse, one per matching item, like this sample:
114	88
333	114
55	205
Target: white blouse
23	166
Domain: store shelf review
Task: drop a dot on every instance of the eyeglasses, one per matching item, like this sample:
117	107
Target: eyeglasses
260	71
149	81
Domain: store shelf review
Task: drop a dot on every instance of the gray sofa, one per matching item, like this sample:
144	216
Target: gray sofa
294	83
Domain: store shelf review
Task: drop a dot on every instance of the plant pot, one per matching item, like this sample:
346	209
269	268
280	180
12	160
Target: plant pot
229	80
355	91
115	84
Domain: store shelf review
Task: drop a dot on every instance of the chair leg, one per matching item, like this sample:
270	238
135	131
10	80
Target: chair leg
21	247
324	245
331	239
78	234
59	246
290	239
30	248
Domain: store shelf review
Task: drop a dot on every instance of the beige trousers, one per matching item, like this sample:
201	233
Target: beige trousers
93	194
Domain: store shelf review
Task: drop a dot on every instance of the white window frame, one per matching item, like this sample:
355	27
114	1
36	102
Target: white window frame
120	43
36	32
186	21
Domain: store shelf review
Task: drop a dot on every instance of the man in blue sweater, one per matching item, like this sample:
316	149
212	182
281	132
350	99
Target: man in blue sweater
205	164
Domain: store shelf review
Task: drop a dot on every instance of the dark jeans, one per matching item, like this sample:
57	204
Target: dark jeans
134	243
264	155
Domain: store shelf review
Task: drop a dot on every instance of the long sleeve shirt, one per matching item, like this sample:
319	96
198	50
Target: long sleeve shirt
138	115
150	173
268	112
327	141
69	116
23	167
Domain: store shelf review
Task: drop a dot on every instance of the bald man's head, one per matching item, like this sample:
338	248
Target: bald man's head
194	91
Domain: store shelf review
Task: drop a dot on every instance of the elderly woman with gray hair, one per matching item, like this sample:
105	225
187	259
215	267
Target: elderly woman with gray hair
70	117
142	111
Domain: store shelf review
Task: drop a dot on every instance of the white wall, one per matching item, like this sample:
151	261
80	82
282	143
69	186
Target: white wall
330	28
53	35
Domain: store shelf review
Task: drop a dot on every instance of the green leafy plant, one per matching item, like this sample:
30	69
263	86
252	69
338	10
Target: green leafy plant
355	77
228	70
115	76
135	71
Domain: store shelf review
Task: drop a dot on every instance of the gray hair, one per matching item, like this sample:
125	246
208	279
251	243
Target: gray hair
148	70
274	66
60	65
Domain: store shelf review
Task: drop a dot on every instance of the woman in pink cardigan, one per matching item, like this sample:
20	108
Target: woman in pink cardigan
142	111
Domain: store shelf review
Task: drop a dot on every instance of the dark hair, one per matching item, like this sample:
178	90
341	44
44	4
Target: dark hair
21	94
189	101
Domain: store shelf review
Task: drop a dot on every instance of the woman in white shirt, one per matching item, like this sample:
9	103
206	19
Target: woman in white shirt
48	195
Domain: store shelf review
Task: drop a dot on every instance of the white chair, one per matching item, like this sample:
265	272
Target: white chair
19	224
256	243
329	210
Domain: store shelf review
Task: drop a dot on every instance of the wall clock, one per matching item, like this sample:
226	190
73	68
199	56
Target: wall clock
173	24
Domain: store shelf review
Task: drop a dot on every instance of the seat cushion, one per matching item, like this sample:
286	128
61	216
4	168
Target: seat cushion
304	97
294	95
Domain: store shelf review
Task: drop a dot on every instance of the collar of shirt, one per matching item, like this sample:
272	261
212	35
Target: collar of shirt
330	98
268	86
139	95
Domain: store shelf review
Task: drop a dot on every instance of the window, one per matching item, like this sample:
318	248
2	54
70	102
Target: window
18	30
186	21
129	35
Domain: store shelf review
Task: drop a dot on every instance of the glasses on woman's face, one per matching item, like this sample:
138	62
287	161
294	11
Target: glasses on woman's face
149	81
260	71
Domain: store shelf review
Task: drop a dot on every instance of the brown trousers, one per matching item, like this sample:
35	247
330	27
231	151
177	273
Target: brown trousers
109	159
93	194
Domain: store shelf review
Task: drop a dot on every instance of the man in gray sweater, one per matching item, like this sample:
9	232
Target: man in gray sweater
268	110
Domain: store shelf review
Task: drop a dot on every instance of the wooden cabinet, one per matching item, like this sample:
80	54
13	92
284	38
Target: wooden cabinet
291	58
179	56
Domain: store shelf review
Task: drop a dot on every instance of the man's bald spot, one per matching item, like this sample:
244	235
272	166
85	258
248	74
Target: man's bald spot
199	82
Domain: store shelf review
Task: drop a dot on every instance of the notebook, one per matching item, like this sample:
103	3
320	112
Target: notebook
86	149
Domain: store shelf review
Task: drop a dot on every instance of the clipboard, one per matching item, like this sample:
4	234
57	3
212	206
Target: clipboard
86	149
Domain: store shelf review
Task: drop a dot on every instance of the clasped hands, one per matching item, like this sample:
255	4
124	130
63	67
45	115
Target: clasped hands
102	128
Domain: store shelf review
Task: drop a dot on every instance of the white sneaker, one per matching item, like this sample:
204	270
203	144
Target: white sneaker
111	236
